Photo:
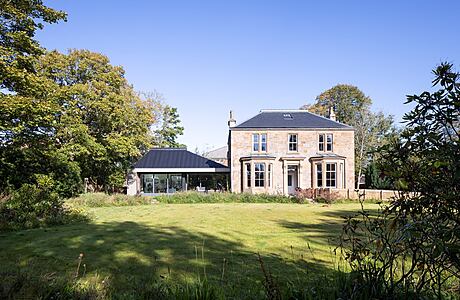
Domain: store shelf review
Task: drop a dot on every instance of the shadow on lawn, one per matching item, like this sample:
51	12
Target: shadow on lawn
132	255
327	231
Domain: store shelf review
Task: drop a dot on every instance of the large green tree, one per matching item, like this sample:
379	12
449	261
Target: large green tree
347	100
353	107
19	20
90	122
103	123
25	115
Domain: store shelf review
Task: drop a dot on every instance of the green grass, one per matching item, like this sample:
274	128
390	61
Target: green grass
125	247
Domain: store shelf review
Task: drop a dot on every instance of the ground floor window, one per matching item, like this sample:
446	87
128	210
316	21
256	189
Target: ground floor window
331	174
248	175
147	183
170	183
207	182
319	175
269	175
259	174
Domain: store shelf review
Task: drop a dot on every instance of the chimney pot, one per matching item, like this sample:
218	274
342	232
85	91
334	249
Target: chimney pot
231	120
332	115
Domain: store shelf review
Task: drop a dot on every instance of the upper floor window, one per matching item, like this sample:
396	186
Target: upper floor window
292	142
325	142
259	174
329	142
263	142
259	142
255	142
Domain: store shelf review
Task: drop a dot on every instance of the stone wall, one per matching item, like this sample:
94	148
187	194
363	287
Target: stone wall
363	194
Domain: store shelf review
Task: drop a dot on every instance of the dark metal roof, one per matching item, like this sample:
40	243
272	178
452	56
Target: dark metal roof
175	158
290	119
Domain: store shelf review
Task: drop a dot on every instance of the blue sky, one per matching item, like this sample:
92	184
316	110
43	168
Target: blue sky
209	57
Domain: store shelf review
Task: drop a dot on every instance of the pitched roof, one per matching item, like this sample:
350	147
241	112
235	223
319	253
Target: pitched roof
290	119
217	153
175	158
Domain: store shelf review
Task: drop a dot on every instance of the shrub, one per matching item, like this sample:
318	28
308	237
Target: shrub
102	199
34	206
413	245
195	197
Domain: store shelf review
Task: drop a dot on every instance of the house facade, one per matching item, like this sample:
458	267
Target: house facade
277	151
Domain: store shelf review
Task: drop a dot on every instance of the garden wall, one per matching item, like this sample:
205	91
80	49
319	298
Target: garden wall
363	194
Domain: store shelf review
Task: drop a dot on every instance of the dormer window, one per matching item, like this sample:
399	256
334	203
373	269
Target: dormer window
259	142
287	116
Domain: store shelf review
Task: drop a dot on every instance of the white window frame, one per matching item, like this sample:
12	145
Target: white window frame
330	173
321	144
258	143
259	174
325	145
331	143
320	177
255	142
269	174
248	177
296	143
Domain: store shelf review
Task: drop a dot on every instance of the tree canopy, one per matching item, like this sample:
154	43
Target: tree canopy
347	100
20	20
67	117
169	128
353	107
90	122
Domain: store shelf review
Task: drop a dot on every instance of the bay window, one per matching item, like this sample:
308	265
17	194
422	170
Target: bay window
331	174
319	175
259	174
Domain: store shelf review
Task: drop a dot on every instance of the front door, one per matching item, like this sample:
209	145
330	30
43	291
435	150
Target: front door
292	179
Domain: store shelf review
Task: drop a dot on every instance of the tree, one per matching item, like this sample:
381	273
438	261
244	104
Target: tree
25	122
347	100
352	107
166	135
19	20
91	121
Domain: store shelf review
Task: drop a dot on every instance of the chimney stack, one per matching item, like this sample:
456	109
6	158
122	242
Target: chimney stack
231	121
332	114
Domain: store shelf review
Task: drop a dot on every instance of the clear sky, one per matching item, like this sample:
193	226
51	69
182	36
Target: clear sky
209	57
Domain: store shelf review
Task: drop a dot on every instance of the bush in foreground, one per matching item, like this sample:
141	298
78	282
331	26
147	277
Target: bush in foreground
195	197
102	199
35	206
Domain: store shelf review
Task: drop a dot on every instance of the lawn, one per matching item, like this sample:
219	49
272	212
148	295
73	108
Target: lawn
129	246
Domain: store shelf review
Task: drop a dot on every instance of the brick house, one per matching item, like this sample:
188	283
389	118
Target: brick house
278	151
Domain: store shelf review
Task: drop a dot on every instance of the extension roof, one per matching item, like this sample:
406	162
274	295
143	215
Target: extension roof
176	158
291	119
